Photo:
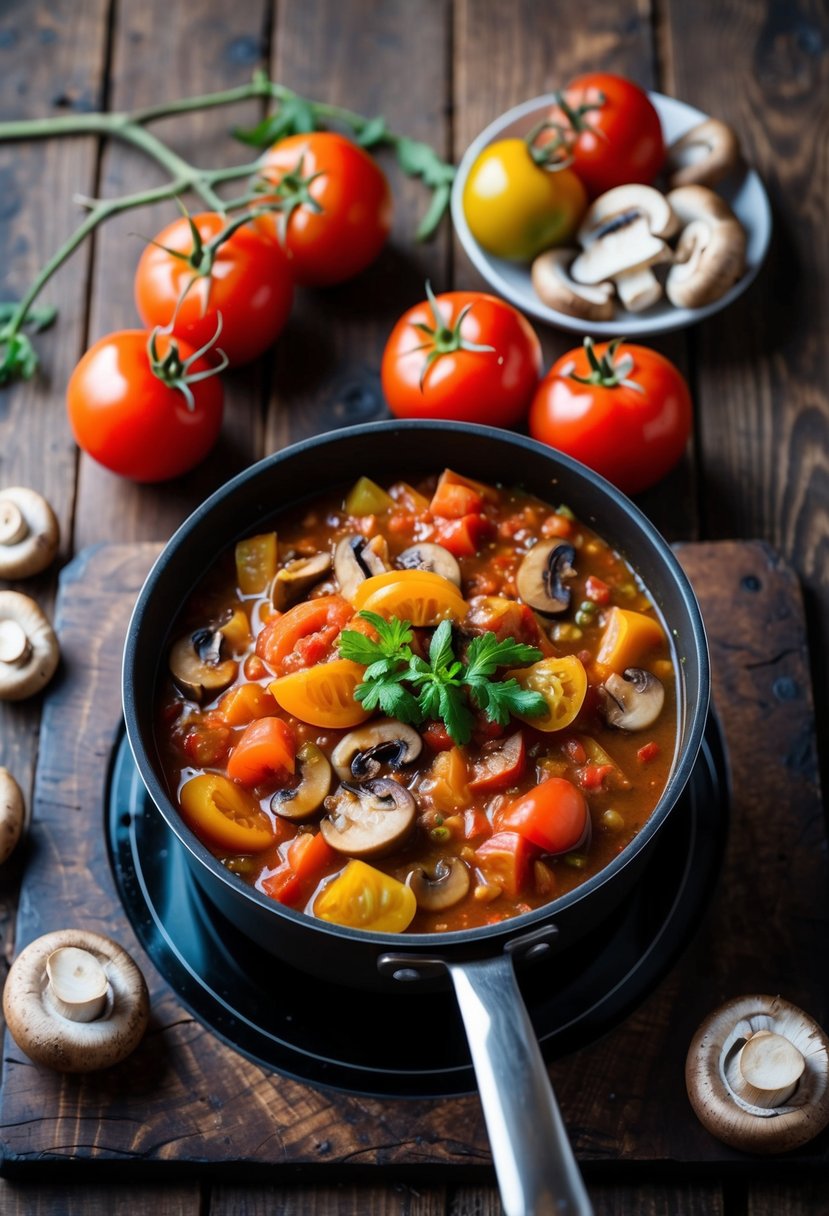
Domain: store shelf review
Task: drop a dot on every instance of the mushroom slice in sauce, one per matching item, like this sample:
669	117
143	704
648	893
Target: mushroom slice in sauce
541	577
633	701
296	578
302	801
362	752
197	667
432	557
354	561
368	819
445	887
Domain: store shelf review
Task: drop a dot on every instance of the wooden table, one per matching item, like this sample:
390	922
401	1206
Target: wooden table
439	72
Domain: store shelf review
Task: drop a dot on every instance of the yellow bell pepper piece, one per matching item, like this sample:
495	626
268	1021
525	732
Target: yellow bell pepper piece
255	563
367	498
627	639
363	897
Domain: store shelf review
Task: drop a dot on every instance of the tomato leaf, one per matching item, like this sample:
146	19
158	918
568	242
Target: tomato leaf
373	133
294	117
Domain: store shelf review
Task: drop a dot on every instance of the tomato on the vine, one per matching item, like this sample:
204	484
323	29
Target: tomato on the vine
517	203
463	355
144	424
610	129
335	205
623	410
184	274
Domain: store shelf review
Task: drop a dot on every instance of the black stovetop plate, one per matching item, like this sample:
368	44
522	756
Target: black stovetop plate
407	1044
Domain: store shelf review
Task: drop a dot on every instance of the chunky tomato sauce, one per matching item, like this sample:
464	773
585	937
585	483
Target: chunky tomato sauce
419	707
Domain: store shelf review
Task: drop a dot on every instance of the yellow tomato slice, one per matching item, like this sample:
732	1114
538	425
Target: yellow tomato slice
562	682
419	596
228	816
362	897
322	695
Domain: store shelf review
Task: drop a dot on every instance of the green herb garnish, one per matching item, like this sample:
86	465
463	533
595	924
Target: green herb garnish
442	686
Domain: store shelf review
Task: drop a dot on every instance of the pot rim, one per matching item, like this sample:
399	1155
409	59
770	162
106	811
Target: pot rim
516	926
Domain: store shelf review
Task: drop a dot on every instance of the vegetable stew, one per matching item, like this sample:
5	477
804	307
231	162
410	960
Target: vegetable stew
422	707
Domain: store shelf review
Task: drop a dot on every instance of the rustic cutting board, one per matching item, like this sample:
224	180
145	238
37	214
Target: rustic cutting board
185	1100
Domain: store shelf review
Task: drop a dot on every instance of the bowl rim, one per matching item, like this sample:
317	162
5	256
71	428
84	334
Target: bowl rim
512	927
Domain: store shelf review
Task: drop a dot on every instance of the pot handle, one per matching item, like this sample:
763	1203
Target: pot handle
537	1171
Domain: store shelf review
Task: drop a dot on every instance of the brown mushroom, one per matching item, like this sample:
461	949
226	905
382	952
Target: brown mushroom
29	649
432	557
302	801
296	578
75	1001
356	559
555	287
362	752
197	666
368	819
542	574
757	1075
633	701
29	532
711	252
445	887
12	814
704	155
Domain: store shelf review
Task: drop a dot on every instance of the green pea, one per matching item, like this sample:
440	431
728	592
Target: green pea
577	860
613	820
440	833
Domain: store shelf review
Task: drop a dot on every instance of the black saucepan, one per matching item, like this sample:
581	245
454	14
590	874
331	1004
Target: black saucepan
536	1169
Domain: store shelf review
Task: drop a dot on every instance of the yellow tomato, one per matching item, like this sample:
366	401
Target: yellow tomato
628	636
419	596
230	817
362	897
562	683
322	695
516	207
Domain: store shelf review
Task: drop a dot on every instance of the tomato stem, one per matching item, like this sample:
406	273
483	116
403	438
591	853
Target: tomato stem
443	339
609	371
174	371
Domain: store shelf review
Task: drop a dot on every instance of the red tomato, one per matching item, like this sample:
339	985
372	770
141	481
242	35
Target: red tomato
301	636
136	422
336	206
500	766
553	816
611	131
441	371
265	747
623	410
247	280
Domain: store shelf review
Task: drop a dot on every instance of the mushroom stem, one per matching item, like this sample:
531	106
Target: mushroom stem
768	1069
77	984
15	646
638	288
13	526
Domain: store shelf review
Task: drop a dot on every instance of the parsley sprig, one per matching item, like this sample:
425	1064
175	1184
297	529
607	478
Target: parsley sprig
412	689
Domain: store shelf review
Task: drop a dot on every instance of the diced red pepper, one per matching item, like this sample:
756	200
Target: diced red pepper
254	668
556	525
208	742
592	776
453	501
283	885
436	736
500	767
475	823
647	753
596	590
464	536
265	748
310	855
574	749
505	860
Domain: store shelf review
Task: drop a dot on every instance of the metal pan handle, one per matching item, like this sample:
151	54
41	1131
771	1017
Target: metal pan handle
537	1171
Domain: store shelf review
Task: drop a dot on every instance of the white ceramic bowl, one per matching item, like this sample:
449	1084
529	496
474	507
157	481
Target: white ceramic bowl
743	191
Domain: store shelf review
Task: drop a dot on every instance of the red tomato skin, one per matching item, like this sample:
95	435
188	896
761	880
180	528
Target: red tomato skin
132	423
339	242
626	145
494	387
632	438
552	816
250	285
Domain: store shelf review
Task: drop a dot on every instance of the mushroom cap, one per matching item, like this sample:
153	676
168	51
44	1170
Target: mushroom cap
710	1076
541	575
442	889
29	650
554	286
50	1038
12	814
29	532
297	577
425	555
305	799
369	819
704	155
622	230
711	252
197	666
372	735
632	701
355	559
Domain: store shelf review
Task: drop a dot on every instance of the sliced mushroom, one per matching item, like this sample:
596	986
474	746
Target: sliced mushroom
711	252
75	1001
197	666
12	814
302	801
29	649
622	236
368	819
428	556
704	155
29	532
297	577
362	752
556	288
632	701
541	575
355	559
444	888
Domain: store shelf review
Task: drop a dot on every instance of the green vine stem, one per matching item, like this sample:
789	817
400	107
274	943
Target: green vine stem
293	114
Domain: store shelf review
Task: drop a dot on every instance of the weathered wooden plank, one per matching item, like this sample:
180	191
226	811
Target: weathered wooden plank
806	1197
389	59
100	1199
307	1199
160	53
